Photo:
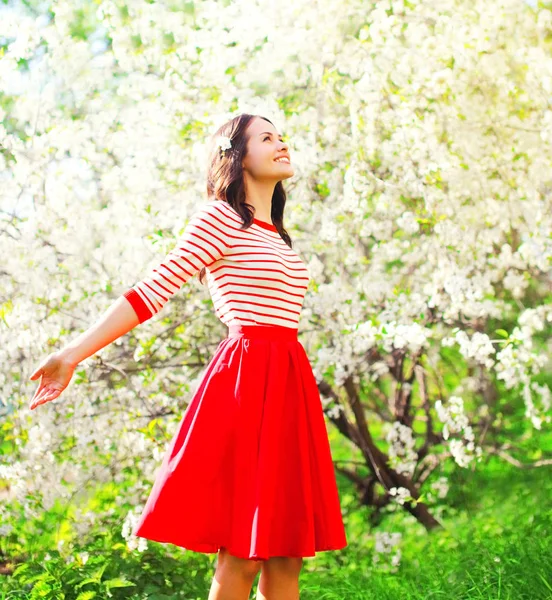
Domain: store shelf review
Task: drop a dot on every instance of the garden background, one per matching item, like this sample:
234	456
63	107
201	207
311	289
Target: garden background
421	135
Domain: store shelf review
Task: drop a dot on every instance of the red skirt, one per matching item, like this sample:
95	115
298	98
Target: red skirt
249	468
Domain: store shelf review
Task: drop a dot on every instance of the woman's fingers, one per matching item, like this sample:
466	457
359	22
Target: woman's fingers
46	394
41	400
44	389
38	403
36	373
38	395
41	393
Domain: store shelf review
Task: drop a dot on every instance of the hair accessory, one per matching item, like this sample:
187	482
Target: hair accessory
224	143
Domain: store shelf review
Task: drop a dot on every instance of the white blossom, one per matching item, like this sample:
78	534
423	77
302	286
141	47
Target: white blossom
407	232
401	443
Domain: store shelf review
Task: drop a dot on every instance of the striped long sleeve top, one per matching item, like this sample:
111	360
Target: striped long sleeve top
253	276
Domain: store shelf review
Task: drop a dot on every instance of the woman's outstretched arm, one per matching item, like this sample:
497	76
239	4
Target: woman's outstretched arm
117	320
58	367
202	243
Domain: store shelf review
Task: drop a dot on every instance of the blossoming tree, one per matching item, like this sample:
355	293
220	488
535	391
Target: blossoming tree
422	206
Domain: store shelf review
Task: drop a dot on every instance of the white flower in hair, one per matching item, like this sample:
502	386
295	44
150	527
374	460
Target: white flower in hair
224	142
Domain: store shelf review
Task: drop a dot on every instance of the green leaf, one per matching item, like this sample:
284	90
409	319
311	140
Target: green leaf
95	578
86	595
118	582
86	581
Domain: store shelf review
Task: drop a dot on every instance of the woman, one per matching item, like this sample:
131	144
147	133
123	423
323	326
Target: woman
248	473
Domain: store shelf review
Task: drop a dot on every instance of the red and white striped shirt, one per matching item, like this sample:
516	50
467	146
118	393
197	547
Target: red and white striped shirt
254	277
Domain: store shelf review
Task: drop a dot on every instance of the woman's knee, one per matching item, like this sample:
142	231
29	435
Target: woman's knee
283	565
247	567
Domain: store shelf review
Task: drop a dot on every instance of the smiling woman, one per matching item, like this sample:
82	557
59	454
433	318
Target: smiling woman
264	148
252	444
248	174
249	472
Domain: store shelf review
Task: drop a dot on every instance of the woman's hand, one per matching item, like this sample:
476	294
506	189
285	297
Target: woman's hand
56	373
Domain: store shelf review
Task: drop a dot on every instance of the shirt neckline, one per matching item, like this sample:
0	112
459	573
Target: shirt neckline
265	224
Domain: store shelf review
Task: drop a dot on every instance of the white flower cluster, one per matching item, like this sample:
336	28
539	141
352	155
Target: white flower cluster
400	494
411	336
452	416
335	411
408	222
534	319
15	476
325	358
83	520
516	362
536	249
364	337
387	550
378	369
479	347
532	412
402	456
440	486
41	437
315	267
224	142
455	421
348	353
133	542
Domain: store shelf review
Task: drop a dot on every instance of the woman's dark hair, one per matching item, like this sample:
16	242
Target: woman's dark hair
225	176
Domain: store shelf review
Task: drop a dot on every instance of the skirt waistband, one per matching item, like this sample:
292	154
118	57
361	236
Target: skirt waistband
270	332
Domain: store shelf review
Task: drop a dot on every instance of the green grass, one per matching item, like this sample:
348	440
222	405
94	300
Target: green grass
495	544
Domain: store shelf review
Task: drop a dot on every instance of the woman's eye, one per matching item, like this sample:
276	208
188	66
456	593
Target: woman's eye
284	140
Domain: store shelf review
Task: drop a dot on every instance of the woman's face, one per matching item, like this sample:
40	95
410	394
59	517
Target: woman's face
264	146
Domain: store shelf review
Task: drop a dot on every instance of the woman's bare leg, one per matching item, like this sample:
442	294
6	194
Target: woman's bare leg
234	577
280	578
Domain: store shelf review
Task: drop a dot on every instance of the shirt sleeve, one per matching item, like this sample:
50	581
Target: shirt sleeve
202	243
